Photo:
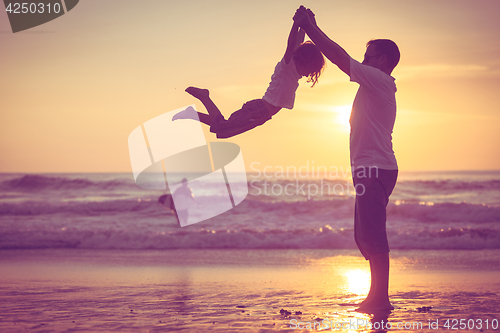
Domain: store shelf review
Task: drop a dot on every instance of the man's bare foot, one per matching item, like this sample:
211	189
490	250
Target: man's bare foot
372	305
366	300
198	93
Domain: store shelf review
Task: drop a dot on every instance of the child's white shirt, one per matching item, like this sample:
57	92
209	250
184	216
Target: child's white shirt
284	83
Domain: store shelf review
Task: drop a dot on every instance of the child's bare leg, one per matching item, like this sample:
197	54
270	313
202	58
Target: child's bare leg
191	114
204	96
205	118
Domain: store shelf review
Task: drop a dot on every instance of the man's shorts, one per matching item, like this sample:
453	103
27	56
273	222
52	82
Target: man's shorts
373	188
252	114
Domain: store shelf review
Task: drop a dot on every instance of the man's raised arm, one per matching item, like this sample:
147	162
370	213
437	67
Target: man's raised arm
336	54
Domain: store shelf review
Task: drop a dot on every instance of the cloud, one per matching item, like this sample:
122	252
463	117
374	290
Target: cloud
445	71
240	90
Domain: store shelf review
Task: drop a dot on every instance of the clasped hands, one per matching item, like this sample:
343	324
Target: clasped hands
304	16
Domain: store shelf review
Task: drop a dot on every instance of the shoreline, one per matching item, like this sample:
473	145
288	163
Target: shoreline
234	290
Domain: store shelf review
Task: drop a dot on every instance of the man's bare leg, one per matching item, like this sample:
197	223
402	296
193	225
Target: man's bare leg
372	285
204	96
378	297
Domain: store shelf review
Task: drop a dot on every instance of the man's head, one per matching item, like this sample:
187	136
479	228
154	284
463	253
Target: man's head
382	54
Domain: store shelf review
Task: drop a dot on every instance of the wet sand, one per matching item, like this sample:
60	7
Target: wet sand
241	290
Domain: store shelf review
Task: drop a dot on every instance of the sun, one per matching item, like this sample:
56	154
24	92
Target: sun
343	113
358	281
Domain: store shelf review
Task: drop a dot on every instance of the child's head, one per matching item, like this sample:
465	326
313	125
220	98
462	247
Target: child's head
309	61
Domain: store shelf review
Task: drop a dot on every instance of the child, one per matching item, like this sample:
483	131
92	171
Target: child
300	59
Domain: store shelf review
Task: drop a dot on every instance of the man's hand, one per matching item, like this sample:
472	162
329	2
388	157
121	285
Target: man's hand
312	19
302	17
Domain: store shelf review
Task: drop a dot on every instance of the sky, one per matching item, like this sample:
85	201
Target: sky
73	89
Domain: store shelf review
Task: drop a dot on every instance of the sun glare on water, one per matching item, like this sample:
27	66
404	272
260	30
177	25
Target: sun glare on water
358	281
342	115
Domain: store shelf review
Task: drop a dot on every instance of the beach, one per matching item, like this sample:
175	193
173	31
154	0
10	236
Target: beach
127	204
193	290
96	253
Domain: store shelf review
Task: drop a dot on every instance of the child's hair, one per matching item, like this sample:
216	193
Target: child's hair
308	54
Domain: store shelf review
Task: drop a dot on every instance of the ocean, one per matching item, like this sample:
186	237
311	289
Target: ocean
427	210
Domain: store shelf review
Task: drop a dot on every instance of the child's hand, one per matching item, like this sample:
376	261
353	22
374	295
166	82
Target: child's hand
301	16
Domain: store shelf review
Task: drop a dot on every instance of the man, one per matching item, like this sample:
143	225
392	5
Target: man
373	163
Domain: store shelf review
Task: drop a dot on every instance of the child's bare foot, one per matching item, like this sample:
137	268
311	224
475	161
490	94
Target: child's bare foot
198	93
189	113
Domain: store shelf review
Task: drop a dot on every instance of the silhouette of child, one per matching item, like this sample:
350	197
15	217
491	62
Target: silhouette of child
300	59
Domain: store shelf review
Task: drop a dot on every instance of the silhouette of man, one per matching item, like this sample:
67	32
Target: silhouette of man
183	199
373	163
